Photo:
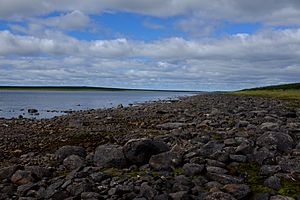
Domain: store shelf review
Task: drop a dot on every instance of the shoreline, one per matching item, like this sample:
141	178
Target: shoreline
215	137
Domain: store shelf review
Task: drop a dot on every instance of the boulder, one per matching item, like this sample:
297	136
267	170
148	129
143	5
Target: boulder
73	162
110	156
68	150
192	169
273	182
139	151
282	141
167	160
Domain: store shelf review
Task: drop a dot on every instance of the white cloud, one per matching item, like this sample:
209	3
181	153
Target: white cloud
231	62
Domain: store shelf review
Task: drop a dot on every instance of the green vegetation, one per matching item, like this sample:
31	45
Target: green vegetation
289	188
177	171
290	92
81	88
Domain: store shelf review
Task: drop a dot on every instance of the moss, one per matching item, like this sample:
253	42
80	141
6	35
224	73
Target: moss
177	171
217	136
155	174
289	188
253	179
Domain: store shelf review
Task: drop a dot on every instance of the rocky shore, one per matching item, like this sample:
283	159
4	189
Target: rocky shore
210	147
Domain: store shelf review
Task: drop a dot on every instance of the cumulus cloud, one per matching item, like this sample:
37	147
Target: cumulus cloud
272	12
236	61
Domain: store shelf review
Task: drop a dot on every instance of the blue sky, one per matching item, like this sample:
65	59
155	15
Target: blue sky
185	45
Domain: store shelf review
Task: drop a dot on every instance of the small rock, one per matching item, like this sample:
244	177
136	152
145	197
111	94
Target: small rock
73	162
239	191
219	196
32	110
110	156
280	197
40	172
7	172
269	126
217	170
224	179
22	177
273	182
238	158
290	164
182	195
269	169
192	169
171	125
147	191
90	196
211	147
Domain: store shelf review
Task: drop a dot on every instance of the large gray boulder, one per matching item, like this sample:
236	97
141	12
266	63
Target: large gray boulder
139	151
68	150
282	141
110	156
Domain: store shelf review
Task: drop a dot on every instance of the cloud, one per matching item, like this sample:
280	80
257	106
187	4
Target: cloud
237	61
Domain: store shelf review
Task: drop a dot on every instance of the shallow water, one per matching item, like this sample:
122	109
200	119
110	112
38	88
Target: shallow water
54	103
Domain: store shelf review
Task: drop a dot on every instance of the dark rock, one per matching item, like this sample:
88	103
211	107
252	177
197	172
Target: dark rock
110	156
244	148
238	158
239	191
273	182
40	172
139	151
99	176
21	177
76	188
215	163
182	183
269	169
261	155
214	184
171	125
53	190
211	147
182	195
23	189
90	196
167	160
66	151
219	196
191	169
217	170
32	111
281	141
73	162
224	179
280	197
7	172
147	191
290	164
261	196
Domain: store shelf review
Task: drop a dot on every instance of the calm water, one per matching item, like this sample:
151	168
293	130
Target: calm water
53	103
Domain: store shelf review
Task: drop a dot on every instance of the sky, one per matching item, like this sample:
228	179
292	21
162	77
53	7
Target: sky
158	44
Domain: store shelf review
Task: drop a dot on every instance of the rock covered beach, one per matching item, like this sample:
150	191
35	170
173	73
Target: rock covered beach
210	146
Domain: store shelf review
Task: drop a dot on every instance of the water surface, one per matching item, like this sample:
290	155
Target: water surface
53	103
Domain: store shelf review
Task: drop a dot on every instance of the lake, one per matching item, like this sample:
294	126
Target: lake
54	103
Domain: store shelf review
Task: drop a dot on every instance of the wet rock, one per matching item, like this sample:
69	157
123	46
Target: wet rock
110	156
68	150
273	182
167	160
218	196
281	141
224	179
139	151
239	191
73	162
21	177
192	169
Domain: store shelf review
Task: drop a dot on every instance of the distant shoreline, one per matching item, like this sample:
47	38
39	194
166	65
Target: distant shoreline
85	88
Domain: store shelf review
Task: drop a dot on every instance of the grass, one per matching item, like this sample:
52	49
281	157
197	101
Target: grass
290	92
